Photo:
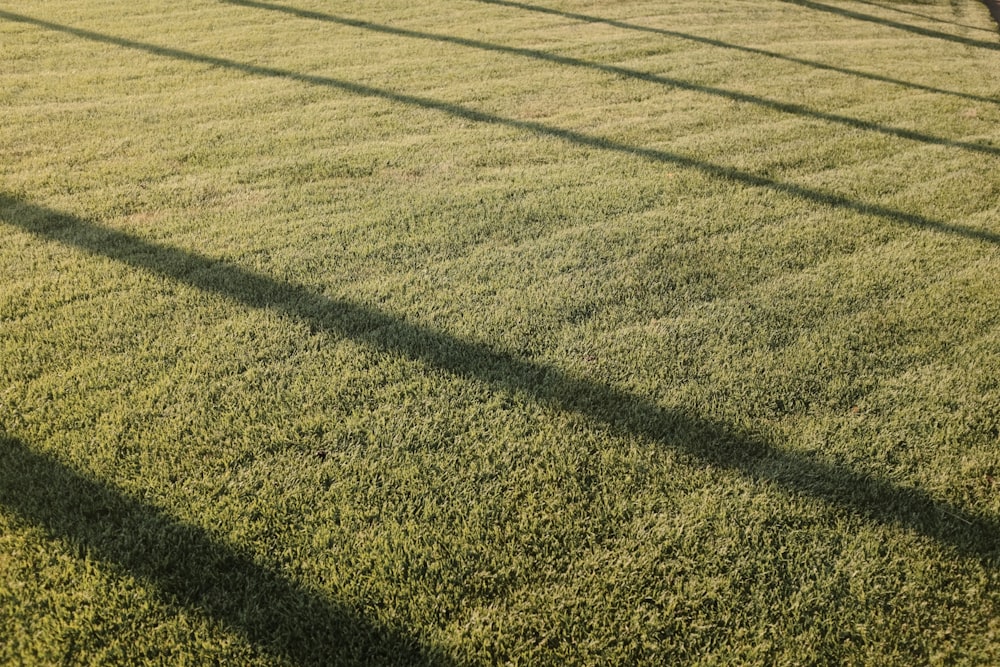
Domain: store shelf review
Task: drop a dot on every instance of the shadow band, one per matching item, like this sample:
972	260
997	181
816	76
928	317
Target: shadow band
704	441
708	41
994	8
925	17
191	569
625	72
906	27
570	136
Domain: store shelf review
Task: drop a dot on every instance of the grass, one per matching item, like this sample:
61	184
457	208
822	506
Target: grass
483	331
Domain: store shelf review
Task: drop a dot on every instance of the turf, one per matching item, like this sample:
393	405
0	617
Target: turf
491	332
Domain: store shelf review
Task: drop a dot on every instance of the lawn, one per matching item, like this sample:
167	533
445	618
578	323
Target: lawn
476	332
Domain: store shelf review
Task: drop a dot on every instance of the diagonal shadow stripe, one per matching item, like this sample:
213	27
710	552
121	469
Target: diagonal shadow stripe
628	73
190	568
708	41
810	195
916	30
703	441
926	17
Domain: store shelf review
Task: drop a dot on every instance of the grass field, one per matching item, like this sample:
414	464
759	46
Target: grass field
541	332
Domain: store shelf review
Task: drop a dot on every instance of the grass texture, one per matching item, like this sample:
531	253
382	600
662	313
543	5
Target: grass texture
475	332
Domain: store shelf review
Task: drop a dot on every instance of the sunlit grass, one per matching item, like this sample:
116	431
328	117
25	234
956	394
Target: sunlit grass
480	332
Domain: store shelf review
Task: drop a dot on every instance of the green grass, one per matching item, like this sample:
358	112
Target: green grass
494	332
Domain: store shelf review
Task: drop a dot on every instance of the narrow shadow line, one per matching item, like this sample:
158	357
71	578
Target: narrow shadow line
586	18
820	197
704	441
189	568
926	17
916	30
624	72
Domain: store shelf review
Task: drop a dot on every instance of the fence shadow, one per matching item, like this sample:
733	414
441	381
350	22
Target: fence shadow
190	568
708	41
790	108
704	441
926	17
994	8
806	194
906	27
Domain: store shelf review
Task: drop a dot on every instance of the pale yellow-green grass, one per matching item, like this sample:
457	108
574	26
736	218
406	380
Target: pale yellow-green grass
499	332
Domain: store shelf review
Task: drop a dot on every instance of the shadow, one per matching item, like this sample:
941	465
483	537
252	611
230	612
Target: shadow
994	7
926	17
702	441
624	72
810	195
815	64
916	30
190	568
